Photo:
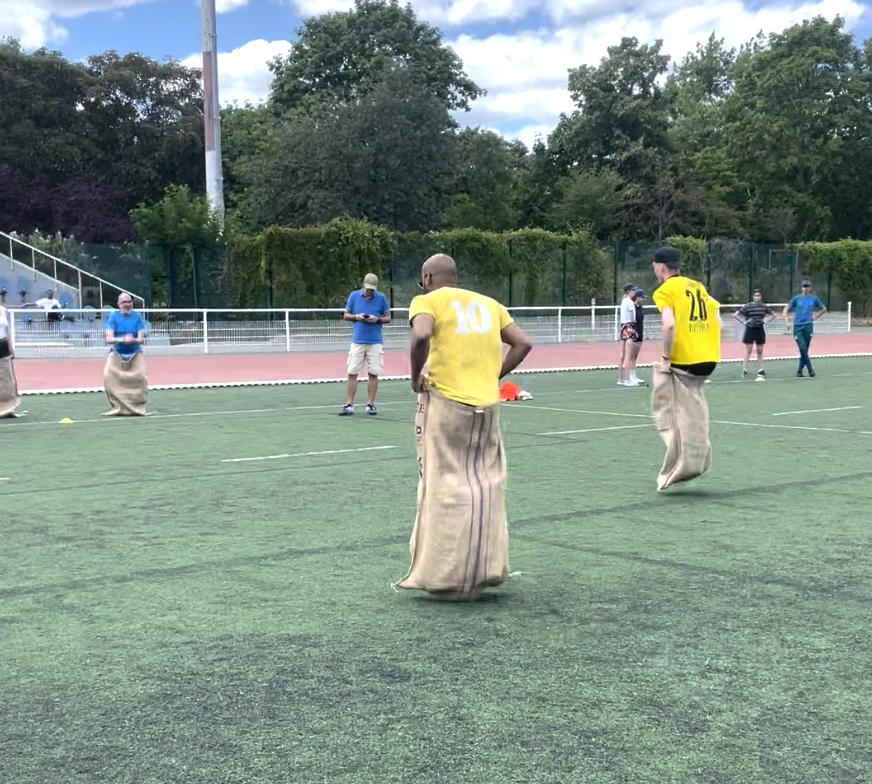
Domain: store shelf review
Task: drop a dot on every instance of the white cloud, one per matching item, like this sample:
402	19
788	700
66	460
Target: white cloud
29	23
243	74
225	6
525	74
36	22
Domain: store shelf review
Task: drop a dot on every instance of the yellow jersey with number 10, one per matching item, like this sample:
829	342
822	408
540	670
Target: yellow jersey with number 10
466	349
697	323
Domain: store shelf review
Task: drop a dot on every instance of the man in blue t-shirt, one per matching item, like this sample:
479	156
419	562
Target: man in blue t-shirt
124	377
807	308
368	309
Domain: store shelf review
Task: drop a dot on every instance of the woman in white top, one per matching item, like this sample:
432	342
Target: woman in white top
627	335
9	398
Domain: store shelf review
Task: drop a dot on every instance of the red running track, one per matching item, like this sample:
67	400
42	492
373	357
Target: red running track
36	375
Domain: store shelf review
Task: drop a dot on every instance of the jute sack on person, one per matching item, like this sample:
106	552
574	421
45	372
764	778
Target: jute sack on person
126	384
460	542
9	397
682	419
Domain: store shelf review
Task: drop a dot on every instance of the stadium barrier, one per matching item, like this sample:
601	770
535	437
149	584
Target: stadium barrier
80	332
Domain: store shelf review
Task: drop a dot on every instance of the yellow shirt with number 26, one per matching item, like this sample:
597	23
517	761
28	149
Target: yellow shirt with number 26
466	350
697	326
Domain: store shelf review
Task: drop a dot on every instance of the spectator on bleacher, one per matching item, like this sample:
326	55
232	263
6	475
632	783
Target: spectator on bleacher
9	397
124	377
49	304
368	309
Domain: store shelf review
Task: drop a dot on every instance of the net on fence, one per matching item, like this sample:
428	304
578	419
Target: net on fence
81	333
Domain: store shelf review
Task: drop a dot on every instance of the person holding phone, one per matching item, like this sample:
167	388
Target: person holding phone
367	308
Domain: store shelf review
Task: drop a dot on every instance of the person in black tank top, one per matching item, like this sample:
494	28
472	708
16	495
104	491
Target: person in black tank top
754	316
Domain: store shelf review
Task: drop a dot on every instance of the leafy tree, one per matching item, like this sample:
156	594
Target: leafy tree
43	133
488	169
146	118
622	109
697	89
339	55
385	157
586	200
800	106
178	220
248	137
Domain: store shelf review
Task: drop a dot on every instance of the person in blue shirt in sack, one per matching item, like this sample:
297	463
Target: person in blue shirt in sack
124	377
807	308
368	309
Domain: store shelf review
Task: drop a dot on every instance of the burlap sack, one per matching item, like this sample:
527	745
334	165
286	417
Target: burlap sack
460	543
126	385
9	397
682	419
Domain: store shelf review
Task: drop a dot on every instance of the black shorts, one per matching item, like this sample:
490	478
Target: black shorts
754	335
699	369
639	336
5	350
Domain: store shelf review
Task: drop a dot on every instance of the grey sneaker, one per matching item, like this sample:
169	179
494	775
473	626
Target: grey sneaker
347	411
370	410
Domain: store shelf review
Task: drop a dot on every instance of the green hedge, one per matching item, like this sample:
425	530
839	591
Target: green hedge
849	262
318	267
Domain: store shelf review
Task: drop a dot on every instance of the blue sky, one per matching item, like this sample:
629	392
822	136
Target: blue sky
519	50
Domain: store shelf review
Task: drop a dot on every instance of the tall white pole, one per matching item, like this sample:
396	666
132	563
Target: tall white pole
212	110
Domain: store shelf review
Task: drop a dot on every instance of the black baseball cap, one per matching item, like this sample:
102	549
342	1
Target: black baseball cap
670	257
806	283
629	286
638	293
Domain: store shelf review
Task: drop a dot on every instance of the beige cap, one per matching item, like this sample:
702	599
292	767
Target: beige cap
370	282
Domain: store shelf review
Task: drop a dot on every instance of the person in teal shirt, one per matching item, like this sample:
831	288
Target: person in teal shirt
807	308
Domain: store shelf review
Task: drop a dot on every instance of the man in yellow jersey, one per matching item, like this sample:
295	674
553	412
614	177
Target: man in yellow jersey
460	541
691	350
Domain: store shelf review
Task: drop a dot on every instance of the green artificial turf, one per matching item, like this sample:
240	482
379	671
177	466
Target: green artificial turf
167	617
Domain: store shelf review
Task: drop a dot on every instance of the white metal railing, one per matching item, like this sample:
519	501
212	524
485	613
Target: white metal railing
33	255
80	332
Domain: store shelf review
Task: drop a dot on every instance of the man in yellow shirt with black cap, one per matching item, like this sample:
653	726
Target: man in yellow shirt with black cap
690	351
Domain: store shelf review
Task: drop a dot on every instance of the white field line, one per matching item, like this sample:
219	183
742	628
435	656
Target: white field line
796	427
593	430
817	410
410	402
307	454
585	411
713	422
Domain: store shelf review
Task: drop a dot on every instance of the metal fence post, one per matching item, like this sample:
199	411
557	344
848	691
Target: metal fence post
205	332
511	268
751	273
615	269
